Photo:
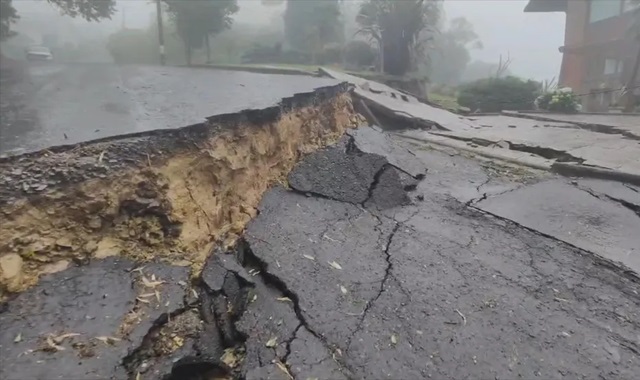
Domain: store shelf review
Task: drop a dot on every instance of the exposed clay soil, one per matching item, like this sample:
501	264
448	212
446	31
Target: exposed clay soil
160	195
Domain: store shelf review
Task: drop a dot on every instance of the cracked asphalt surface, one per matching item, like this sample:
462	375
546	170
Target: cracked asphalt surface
378	261
59	104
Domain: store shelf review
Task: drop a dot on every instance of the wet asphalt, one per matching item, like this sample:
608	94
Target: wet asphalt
378	261
58	104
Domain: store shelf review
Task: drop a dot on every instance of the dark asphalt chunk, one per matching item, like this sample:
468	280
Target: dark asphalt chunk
373	141
269	324
344	173
98	302
218	267
90	301
390	189
334	174
309	359
271	330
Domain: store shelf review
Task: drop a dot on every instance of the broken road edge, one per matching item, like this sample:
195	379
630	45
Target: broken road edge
167	195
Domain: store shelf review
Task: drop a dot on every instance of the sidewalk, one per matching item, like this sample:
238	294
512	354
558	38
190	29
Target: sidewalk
585	145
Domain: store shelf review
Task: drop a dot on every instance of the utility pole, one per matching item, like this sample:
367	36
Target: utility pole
160	31
631	86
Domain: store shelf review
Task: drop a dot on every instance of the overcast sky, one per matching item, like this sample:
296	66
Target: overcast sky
532	39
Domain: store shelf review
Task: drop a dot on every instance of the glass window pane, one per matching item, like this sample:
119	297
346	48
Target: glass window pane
603	9
629	5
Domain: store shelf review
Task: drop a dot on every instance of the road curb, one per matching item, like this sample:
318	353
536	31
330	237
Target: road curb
573	170
562	168
594	127
479	152
259	70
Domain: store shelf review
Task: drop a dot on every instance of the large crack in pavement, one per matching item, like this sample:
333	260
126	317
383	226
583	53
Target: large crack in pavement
343	275
586	219
177	194
623	202
420	300
249	260
544	152
169	194
598	259
387	275
245	266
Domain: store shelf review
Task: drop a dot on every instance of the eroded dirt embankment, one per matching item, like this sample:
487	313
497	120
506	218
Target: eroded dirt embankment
167	195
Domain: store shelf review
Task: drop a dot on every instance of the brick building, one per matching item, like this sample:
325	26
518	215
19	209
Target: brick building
598	53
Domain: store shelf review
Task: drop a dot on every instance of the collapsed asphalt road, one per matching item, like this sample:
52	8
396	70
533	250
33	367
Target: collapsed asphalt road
376	261
55	104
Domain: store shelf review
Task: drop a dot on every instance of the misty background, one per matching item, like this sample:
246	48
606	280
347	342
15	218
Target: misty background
530	40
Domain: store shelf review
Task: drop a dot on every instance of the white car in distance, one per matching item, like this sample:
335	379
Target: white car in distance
39	53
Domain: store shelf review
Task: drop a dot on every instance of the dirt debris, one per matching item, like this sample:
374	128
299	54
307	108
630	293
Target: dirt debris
11	268
203	189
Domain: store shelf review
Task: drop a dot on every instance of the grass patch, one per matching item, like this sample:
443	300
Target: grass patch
445	101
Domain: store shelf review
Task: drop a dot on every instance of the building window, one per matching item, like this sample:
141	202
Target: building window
604	9
612	66
629	5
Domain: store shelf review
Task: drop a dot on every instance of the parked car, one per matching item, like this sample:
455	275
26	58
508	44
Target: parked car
39	53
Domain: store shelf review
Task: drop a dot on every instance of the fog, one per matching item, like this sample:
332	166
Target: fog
531	39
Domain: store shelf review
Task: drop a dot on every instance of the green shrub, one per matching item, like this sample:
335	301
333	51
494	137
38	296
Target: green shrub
498	94
443	89
563	101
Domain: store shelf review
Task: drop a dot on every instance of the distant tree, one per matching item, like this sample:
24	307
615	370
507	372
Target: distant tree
451	52
400	28
196	20
90	10
8	16
311	24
